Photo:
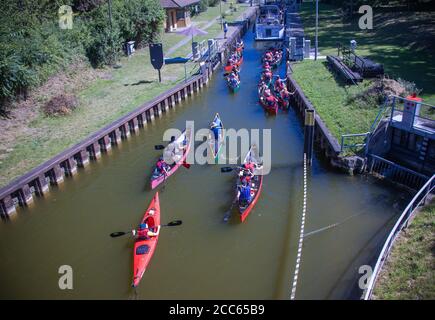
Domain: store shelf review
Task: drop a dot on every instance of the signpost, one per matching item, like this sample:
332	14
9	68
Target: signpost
156	56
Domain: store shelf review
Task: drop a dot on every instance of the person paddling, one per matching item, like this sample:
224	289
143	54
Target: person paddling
244	194
143	231
174	151
279	84
161	166
216	128
267	75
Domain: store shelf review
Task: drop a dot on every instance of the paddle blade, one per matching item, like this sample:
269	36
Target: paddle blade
118	234
227	216
174	223
226	169
186	165
159	147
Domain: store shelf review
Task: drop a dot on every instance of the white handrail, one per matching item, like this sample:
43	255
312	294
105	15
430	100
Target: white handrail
428	187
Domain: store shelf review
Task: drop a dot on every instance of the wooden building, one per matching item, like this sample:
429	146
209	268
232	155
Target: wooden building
177	13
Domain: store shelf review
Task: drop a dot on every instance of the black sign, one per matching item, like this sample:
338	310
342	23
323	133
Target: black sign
156	55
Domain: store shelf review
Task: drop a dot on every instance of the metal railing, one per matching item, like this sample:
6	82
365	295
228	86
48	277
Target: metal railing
423	121
352	136
401	224
395	172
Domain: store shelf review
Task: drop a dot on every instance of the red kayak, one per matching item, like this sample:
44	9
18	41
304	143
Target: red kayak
144	249
256	184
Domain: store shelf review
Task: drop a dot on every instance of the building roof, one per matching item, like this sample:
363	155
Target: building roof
167	4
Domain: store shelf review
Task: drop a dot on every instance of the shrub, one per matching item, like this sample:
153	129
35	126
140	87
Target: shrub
213	3
60	105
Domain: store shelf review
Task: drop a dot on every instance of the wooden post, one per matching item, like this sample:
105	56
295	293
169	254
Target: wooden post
309	134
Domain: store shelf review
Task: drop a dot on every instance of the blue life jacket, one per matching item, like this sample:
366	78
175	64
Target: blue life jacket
216	130
245	193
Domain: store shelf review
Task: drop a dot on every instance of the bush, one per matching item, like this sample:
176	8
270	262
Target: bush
60	105
375	94
213	3
203	5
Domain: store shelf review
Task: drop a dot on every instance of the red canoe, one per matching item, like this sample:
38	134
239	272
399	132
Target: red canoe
256	185
144	249
158	178
273	110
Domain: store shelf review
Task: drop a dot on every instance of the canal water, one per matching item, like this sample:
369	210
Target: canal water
203	258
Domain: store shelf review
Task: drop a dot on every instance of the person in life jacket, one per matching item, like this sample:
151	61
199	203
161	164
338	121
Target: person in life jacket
216	128
234	80
279	85
174	151
143	231
268	56
262	87
247	172
236	71
267	75
161	166
284	94
266	65
244	194
240	44
270	98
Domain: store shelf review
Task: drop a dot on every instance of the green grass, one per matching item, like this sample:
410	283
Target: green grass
409	272
101	102
329	97
403	41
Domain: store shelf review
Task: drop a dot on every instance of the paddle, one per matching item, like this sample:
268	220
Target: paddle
170	224
227	169
227	215
159	147
186	165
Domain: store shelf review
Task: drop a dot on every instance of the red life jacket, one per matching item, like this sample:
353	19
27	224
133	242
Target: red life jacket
270	99
249	166
142	233
160	164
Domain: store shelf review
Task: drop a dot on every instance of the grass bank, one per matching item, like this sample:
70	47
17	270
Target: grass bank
409	272
103	99
403	41
330	97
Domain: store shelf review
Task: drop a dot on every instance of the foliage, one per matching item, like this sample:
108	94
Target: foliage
203	5
380	89
62	104
33	47
213	3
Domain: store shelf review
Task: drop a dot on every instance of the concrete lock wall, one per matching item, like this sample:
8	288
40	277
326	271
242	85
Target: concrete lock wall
20	192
